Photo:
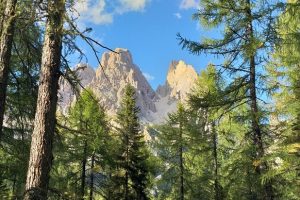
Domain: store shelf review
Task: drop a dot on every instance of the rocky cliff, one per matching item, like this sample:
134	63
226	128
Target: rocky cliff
180	80
109	80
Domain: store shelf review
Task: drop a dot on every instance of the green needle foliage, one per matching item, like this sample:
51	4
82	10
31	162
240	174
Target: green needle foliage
247	39
133	153
285	81
83	138
20	102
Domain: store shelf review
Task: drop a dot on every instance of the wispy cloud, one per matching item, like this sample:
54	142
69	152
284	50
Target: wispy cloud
131	5
93	11
188	4
97	12
148	76
177	15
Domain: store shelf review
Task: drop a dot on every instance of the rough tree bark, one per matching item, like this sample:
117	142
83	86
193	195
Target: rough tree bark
2	9
7	25
41	145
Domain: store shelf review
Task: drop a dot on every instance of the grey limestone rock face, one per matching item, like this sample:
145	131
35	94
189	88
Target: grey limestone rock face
118	71
108	82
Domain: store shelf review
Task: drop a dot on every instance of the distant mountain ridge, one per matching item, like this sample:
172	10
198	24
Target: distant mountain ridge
108	84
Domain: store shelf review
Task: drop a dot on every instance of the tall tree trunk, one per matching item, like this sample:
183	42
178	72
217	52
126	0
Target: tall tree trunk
181	163
83	167
7	26
2	9
127	168
257	134
218	195
40	161
92	177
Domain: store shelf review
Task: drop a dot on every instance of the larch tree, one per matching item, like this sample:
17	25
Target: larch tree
7	23
41	145
83	145
205	93
285	80
90	121
174	134
60	31
20	101
2	10
288	53
181	145
247	38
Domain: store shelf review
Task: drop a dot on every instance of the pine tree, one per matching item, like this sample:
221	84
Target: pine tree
133	152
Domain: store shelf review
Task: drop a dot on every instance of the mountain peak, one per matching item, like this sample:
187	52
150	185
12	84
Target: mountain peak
119	50
111	59
117	70
180	77
173	65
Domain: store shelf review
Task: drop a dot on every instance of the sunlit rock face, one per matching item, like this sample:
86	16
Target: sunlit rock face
180	79
117	70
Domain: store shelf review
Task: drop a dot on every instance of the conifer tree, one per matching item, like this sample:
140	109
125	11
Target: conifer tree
184	148
248	36
285	81
226	136
53	61
2	8
85	143
7	26
21	95
206	92
174	134
42	137
133	152
288	52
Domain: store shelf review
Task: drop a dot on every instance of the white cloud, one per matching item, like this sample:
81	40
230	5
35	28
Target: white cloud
131	5
97	12
148	76
188	4
177	15
93	11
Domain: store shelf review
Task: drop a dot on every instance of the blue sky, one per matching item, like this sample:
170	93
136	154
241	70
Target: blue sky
147	28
